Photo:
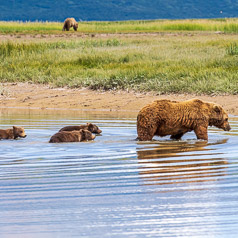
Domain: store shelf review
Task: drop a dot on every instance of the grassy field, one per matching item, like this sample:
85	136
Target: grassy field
164	63
229	25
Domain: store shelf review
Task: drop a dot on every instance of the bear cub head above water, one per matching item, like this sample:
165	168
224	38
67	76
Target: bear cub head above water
72	136
12	133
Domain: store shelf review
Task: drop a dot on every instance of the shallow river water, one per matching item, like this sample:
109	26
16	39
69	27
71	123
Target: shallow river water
115	186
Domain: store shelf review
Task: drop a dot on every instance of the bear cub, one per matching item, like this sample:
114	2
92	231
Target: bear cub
89	126
72	136
12	133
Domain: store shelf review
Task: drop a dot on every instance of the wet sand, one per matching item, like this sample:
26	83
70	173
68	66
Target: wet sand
26	95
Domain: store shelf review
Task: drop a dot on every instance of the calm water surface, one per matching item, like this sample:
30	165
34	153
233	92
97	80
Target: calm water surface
115	186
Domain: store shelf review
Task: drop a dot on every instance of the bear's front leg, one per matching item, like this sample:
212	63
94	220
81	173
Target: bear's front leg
146	133
201	132
144	136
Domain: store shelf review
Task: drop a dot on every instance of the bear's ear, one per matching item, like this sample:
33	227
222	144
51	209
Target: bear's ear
14	128
90	126
216	108
82	131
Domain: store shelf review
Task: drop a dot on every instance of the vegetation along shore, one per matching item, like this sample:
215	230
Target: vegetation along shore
197	57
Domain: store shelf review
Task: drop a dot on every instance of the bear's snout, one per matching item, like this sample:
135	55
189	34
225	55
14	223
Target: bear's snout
22	135
227	127
99	131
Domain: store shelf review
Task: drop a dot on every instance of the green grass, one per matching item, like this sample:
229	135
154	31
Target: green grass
232	49
198	63
29	27
224	25
17	49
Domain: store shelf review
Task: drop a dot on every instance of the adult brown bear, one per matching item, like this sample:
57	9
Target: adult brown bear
165	117
70	22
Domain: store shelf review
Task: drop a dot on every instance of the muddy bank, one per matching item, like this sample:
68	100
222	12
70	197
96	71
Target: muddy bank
25	95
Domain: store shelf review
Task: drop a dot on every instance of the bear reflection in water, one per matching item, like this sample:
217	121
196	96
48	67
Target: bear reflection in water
180	162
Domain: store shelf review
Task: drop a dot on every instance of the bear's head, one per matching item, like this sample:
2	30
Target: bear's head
18	132
87	135
75	26
219	118
93	128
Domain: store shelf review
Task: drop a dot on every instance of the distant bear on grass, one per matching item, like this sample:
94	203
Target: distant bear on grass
72	136
89	126
165	117
12	133
70	22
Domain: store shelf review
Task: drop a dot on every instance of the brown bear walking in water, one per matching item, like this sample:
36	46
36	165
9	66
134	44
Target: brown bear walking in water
72	136
165	117
89	126
70	22
12	133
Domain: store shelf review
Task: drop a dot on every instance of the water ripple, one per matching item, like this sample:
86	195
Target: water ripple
116	186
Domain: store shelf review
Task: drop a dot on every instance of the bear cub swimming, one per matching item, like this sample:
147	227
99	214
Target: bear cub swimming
12	133
89	126
72	136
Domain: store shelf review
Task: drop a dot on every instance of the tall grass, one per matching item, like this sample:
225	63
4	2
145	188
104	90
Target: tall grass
165	64
14	48
232	49
29	27
223	25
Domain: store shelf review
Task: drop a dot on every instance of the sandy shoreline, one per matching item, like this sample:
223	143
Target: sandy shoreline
25	95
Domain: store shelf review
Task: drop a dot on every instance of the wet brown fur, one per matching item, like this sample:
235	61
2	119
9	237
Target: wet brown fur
89	126
12	133
72	136
165	117
70	22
